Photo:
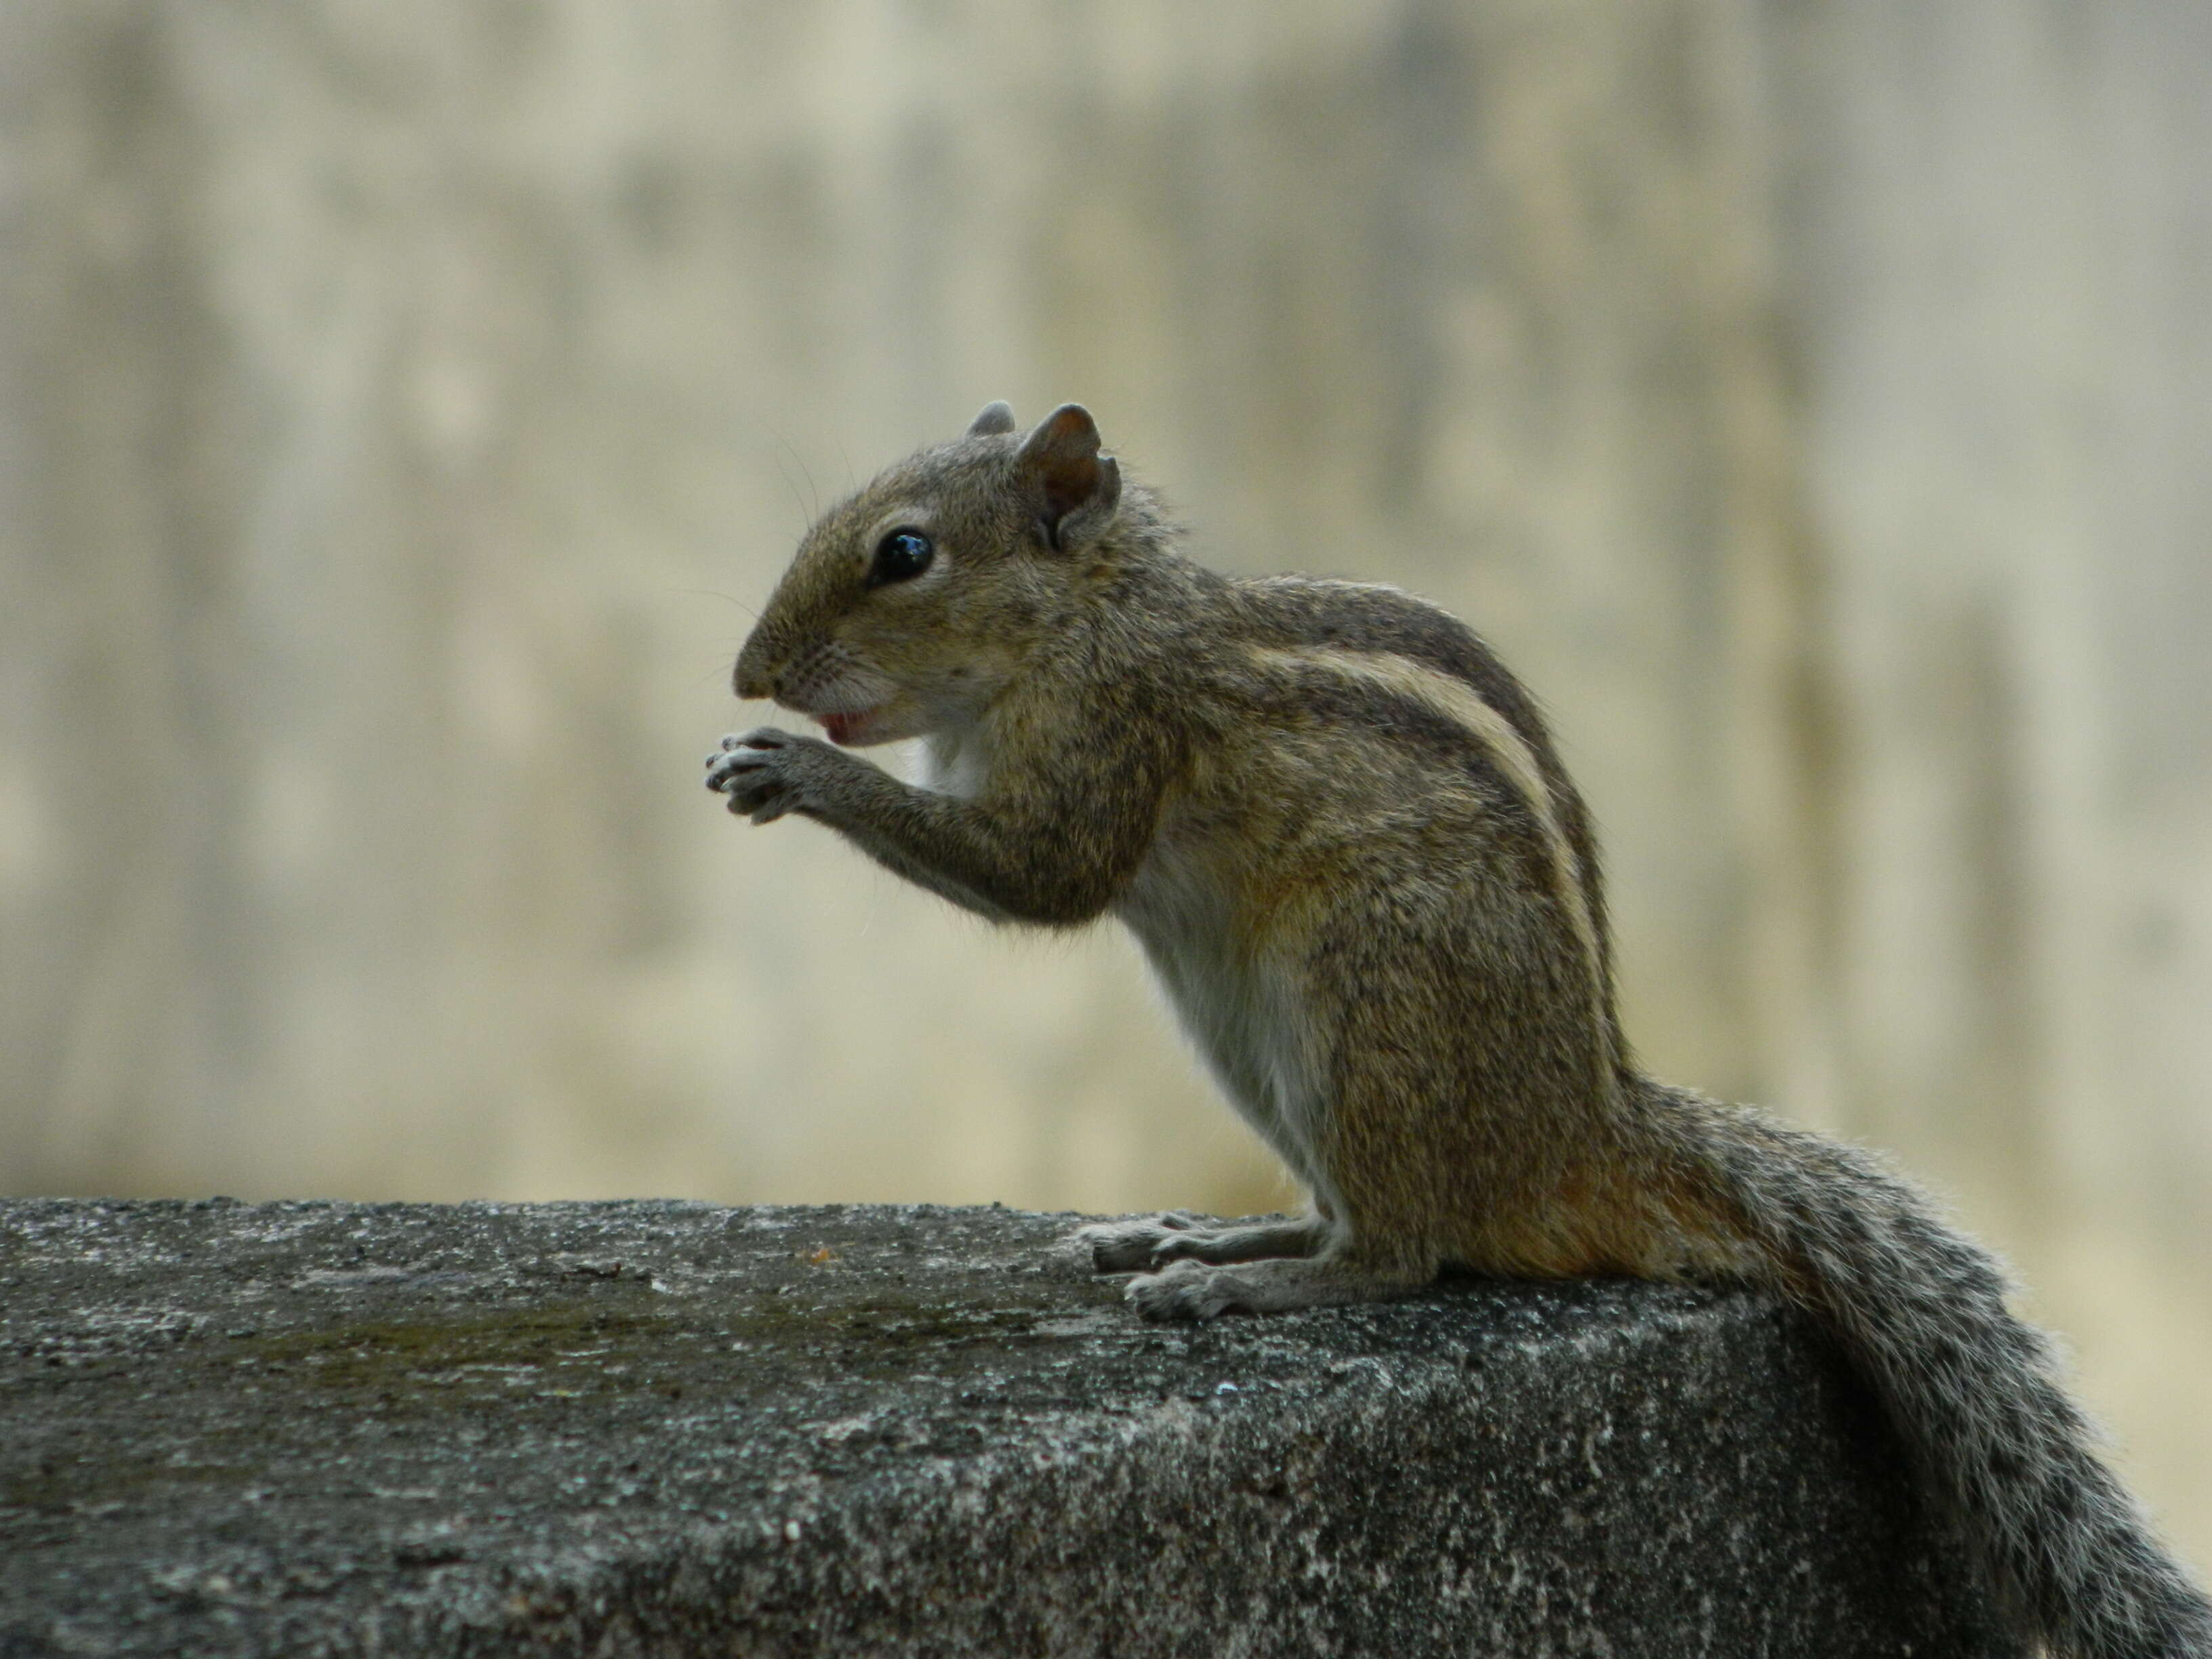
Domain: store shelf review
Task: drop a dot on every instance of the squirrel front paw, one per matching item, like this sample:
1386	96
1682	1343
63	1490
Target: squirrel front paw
766	773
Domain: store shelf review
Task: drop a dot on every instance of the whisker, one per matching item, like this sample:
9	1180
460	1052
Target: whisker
797	499
712	593
814	496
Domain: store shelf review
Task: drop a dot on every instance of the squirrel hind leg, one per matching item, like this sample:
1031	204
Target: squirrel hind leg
1261	1240
1127	1246
1199	1290
1145	1245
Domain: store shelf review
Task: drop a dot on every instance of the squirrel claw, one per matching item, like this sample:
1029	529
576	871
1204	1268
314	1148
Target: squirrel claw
761	772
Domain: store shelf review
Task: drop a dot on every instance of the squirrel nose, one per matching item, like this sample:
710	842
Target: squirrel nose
751	676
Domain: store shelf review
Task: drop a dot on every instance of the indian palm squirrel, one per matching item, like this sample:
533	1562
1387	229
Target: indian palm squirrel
1336	826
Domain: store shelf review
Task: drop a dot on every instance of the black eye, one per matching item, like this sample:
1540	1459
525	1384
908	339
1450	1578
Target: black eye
901	556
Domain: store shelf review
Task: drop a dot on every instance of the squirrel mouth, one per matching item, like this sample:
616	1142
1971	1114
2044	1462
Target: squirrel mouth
841	727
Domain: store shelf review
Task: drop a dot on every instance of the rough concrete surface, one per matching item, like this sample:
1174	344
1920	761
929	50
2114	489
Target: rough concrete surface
657	1428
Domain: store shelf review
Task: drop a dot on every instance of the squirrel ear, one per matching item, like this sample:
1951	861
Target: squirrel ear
997	418
1061	458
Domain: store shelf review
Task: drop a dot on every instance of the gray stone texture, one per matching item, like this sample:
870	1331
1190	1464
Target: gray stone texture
660	1428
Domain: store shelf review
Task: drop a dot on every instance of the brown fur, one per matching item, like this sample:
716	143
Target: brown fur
1338	829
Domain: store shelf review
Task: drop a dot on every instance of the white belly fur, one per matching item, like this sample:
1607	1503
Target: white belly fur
1242	1006
954	763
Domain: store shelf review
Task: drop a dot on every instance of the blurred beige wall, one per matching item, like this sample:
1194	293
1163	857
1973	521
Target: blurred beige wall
400	404
1995	227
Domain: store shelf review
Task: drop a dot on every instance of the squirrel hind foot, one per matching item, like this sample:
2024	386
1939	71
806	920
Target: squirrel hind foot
1148	1245
1126	1246
1200	1290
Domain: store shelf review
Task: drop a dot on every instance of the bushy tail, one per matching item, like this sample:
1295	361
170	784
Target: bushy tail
1974	1392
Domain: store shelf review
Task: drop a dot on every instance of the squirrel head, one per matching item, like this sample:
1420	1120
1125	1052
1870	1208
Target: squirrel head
912	604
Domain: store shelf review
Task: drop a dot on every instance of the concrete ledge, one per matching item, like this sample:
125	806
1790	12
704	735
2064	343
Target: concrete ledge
619	1429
